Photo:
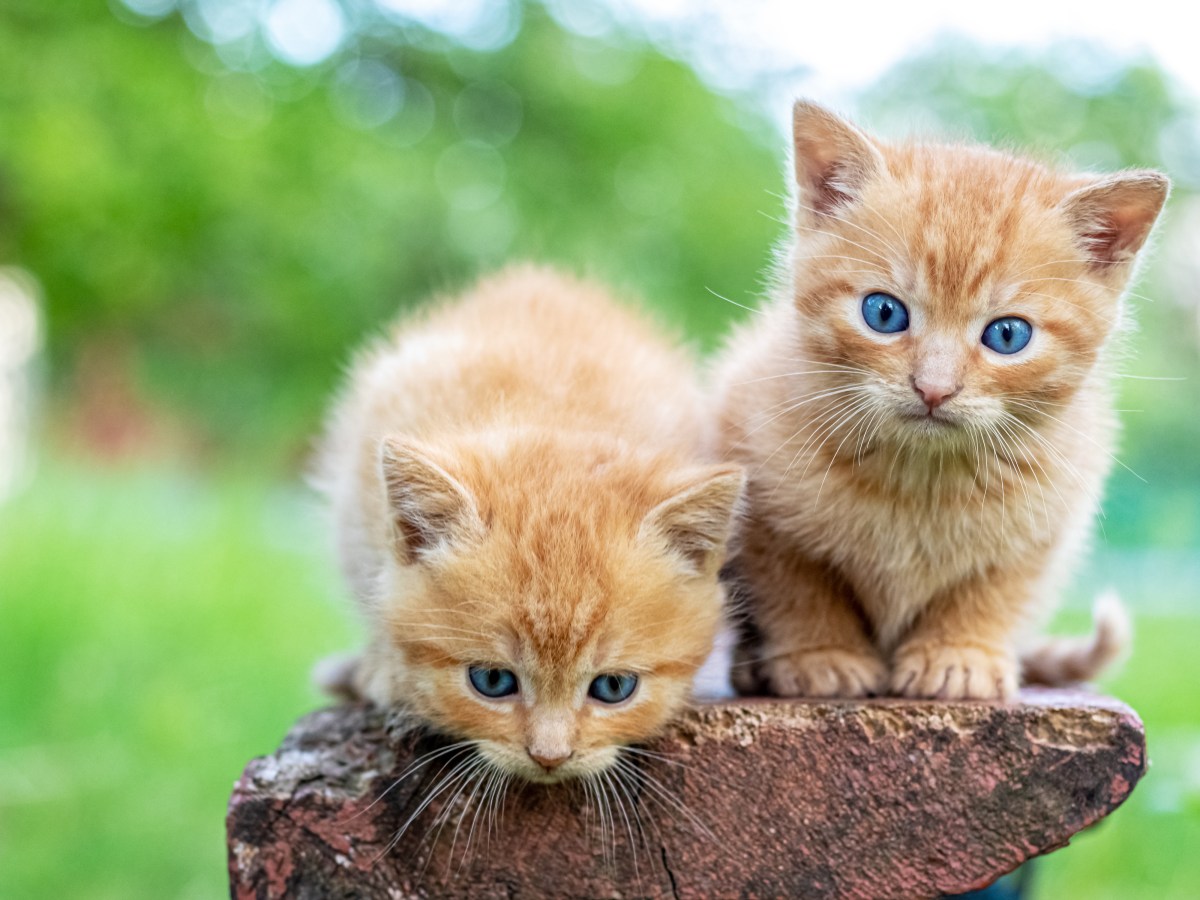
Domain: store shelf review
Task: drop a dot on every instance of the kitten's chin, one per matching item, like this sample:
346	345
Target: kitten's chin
933	422
938	424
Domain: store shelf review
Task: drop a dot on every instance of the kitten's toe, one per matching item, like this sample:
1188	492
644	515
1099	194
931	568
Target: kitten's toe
825	673
947	672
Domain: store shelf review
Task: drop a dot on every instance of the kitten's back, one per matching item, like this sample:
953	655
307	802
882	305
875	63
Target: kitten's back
527	350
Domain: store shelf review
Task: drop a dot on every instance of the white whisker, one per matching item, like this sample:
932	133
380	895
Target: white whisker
411	769
1087	438
461	768
752	309
867	231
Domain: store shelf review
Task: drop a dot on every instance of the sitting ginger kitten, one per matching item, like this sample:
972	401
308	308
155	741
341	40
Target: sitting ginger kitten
524	519
924	411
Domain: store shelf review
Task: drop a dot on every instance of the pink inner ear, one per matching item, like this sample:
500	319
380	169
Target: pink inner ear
828	192
1113	218
832	159
1103	244
1115	236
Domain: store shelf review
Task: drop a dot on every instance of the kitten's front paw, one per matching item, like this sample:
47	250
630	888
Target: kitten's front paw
828	672
948	672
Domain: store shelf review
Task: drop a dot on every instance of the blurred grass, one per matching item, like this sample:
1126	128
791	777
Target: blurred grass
158	629
158	632
1146	849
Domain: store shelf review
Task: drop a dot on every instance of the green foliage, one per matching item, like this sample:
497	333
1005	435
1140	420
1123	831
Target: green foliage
158	630
1144	850
223	228
232	234
1074	101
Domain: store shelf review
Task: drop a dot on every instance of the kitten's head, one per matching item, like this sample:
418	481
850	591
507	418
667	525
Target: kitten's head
951	289
549	602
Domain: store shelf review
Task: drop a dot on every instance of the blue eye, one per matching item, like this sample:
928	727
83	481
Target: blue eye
884	313
612	688
492	682
1007	335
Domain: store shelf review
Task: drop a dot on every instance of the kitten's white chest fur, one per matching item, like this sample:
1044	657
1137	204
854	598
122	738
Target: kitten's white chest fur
902	530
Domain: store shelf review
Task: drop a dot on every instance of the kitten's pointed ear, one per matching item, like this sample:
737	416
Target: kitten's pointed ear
1112	217
833	159
428	506
696	521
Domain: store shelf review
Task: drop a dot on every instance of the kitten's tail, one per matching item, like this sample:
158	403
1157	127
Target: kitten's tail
337	676
1061	660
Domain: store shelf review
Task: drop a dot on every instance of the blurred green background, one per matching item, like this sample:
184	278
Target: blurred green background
214	201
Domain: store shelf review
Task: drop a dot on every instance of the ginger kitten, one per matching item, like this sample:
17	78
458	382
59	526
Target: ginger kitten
522	515
924	412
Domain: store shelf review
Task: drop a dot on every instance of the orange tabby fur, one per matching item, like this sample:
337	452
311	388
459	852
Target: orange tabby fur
515	483
896	546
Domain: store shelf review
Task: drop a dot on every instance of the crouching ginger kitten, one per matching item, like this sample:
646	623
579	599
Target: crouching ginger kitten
524	519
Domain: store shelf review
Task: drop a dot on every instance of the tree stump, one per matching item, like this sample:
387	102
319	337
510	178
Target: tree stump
744	798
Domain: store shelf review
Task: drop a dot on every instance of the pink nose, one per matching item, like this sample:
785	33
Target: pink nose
549	763
934	393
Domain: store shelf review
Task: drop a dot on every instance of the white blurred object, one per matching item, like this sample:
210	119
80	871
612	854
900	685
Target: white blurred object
712	681
20	339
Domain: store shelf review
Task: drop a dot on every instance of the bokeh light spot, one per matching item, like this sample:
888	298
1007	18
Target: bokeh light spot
304	32
151	9
477	24
415	120
604	63
226	20
20	338
367	93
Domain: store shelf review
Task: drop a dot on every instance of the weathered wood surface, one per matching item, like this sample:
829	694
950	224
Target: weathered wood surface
869	799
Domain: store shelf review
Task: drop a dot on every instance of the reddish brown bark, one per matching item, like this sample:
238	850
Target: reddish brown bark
867	799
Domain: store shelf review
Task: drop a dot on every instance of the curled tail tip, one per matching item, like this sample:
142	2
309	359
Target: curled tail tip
336	676
1113	627
1062	660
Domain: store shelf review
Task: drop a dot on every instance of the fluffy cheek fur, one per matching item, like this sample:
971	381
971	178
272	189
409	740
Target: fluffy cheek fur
656	621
